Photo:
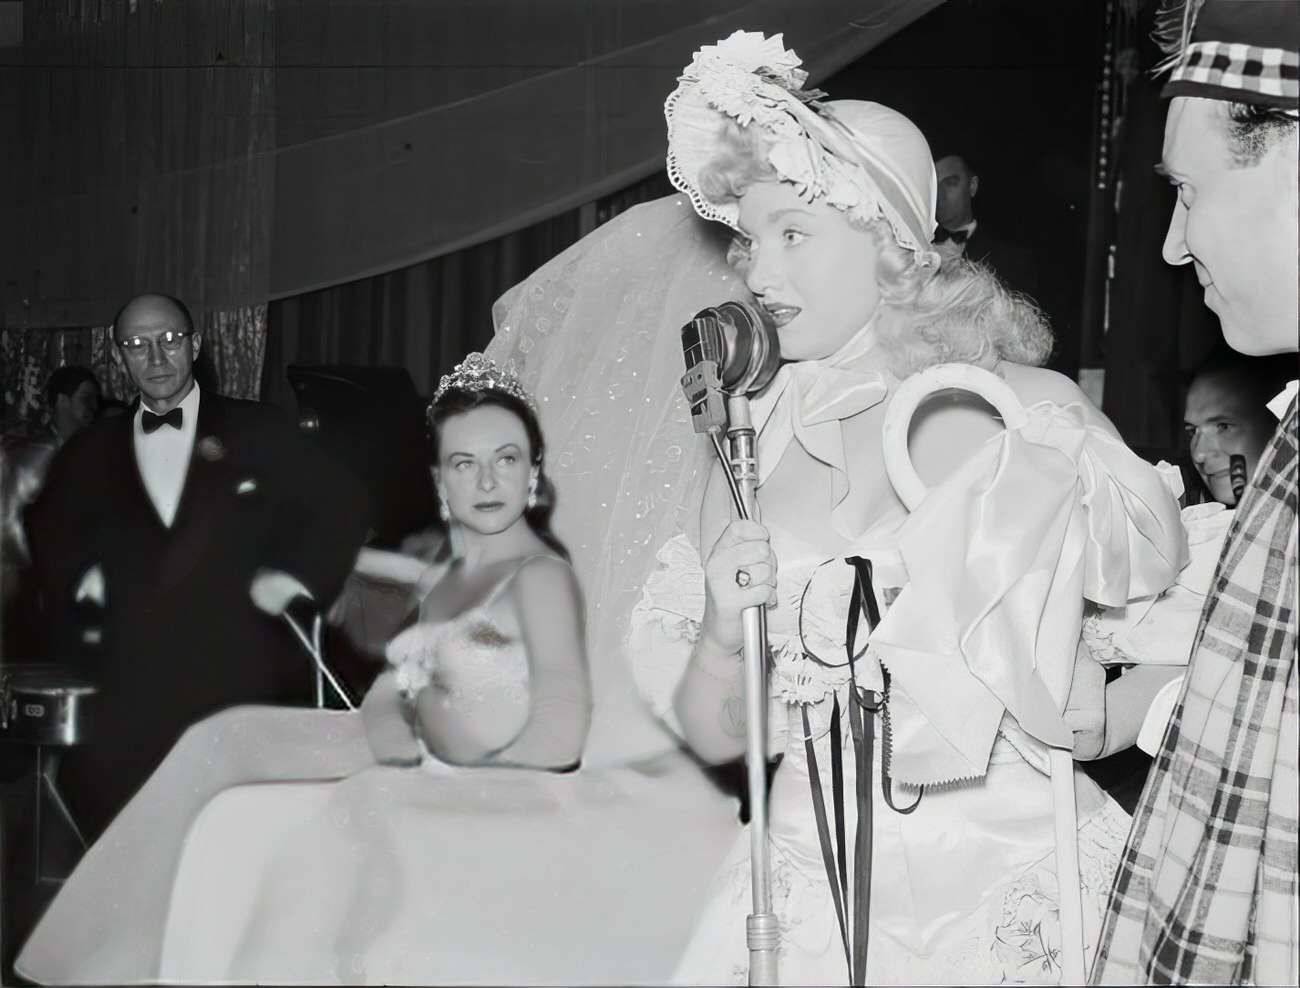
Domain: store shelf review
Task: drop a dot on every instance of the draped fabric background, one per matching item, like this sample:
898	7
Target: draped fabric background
240	152
149	135
427	316
235	151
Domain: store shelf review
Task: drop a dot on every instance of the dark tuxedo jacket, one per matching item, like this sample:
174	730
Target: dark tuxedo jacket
1014	264
181	637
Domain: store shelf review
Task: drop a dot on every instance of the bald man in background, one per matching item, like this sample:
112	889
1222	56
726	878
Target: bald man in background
185	529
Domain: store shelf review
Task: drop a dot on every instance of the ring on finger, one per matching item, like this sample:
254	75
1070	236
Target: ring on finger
742	577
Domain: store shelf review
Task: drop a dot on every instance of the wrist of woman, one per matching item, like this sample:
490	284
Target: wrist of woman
708	645
716	660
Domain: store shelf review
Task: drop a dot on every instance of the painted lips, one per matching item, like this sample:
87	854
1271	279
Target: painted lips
782	314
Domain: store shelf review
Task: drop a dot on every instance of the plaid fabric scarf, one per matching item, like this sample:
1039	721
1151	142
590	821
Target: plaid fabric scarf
1206	890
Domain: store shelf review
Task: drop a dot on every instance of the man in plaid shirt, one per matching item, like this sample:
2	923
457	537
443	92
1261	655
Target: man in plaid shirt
1206	891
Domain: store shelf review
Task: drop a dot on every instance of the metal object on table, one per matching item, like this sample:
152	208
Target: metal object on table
44	705
321	670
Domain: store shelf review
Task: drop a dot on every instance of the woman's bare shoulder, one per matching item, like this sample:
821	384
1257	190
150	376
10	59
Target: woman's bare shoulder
546	577
1035	384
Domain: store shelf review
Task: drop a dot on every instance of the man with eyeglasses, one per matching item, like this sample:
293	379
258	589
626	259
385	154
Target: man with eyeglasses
186	527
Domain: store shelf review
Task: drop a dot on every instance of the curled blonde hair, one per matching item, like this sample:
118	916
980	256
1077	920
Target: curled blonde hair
958	311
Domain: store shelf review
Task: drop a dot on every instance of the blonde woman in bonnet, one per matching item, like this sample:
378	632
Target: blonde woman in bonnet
831	205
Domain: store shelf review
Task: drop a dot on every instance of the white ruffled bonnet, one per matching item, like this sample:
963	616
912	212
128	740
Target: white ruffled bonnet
863	158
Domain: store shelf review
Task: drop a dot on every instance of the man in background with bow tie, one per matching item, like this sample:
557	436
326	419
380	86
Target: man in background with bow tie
185	529
960	232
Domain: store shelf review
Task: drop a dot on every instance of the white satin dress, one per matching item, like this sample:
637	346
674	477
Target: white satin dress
963	889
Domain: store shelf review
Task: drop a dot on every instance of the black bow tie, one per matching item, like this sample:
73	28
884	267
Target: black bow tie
152	423
956	236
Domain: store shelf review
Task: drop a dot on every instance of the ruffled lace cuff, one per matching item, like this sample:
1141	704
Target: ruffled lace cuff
665	625
1158	629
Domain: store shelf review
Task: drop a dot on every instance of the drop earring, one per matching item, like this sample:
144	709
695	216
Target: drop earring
532	492
443	511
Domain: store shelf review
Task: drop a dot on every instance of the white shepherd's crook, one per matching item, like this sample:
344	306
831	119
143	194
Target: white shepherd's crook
912	492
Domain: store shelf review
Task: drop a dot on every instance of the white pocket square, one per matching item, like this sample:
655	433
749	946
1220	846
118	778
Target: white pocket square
246	486
91	587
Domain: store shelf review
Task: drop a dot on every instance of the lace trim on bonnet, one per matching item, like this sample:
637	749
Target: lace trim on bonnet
755	80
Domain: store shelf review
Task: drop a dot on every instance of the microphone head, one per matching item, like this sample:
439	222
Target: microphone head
740	340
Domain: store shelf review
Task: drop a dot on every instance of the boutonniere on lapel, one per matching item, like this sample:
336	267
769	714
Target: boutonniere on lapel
211	448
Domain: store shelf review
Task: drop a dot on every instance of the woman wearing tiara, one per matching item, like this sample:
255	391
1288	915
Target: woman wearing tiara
982	589
449	831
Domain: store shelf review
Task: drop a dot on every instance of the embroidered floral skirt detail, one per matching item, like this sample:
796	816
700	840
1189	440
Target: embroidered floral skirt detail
963	890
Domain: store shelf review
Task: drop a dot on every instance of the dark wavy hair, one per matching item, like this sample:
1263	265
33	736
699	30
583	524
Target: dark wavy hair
66	380
455	401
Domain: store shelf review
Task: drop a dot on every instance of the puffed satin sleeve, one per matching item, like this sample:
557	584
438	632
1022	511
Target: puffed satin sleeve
663	630
1000	558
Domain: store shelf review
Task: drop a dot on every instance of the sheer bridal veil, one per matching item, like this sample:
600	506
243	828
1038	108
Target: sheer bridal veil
595	335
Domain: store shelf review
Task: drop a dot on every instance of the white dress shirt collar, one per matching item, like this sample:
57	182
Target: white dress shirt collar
1282	401
163	456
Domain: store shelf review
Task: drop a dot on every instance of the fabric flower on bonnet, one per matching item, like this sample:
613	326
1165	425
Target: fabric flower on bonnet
859	157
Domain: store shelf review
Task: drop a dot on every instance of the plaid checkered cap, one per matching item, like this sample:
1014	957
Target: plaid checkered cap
1244	51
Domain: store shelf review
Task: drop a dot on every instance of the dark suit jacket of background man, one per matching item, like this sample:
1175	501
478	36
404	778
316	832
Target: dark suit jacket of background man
1015	264
181	637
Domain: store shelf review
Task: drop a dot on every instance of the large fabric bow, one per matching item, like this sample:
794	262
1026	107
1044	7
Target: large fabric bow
999	558
807	401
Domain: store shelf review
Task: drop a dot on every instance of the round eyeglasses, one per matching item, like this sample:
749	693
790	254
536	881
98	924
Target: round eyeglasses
168	342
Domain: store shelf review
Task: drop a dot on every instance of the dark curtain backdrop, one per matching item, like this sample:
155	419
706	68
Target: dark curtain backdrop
1149	327
237	151
385	167
155	140
139	154
1011	86
957	71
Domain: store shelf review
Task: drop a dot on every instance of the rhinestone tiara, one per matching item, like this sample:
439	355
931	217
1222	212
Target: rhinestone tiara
480	373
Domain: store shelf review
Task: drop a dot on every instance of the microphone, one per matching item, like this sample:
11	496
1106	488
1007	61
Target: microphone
1237	474
731	350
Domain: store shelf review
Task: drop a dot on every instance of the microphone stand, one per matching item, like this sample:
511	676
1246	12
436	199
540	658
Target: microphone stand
761	929
738	342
